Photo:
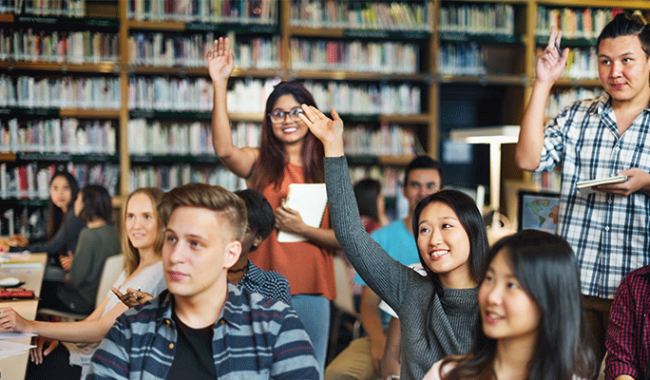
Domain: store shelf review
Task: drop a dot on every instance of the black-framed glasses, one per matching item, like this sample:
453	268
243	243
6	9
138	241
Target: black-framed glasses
279	116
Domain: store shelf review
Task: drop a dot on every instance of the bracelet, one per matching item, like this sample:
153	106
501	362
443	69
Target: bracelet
392	377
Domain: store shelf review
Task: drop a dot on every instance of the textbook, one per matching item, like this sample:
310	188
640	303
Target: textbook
585	187
309	199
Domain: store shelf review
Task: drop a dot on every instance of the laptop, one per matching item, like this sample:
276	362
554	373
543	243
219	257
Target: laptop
538	210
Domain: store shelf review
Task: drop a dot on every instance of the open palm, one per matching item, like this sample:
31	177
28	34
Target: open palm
328	131
221	60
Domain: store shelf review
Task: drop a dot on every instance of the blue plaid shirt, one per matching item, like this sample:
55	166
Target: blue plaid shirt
267	283
253	338
610	234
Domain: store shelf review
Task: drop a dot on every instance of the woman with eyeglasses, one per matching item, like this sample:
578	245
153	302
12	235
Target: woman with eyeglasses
288	153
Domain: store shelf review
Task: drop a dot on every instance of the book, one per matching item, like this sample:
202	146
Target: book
309	199
585	187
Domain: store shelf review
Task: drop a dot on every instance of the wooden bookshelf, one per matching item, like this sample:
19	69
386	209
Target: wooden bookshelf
518	50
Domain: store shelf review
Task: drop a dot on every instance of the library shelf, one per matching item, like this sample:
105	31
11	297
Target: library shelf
64	67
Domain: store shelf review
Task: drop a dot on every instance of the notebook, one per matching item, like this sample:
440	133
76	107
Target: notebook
309	199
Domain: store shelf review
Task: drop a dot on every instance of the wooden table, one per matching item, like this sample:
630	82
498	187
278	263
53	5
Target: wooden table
14	368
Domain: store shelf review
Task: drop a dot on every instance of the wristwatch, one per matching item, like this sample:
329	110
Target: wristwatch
392	377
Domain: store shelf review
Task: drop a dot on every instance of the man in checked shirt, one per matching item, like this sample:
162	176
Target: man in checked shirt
593	139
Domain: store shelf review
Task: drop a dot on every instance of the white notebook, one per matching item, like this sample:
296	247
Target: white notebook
309	199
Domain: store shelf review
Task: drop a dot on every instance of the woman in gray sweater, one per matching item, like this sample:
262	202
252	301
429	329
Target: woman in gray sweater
437	312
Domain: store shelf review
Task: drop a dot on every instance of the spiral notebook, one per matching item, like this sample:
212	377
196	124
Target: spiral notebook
309	199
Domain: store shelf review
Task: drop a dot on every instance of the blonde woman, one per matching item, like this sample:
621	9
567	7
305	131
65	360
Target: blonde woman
142	241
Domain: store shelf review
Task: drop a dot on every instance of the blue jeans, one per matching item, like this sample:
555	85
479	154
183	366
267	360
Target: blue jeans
314	313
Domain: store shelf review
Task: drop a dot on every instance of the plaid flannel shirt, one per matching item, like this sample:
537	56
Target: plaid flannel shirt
628	335
610	234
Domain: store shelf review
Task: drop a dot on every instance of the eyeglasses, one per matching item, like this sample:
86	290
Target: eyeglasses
279	116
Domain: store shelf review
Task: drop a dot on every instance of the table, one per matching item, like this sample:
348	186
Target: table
14	368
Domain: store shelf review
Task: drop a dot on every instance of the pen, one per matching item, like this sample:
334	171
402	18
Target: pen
559	52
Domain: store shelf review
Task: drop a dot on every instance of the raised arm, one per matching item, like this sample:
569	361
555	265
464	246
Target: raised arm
221	62
384	275
531	136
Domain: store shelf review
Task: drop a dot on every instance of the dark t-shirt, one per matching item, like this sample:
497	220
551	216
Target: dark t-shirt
193	355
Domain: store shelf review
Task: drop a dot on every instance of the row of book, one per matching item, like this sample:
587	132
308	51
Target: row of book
167	177
66	135
574	22
564	98
58	46
159	49
355	55
477	18
207	11
361	14
581	64
384	99
60	92
183	94
387	140
32	181
465	58
66	8
189	138
469	58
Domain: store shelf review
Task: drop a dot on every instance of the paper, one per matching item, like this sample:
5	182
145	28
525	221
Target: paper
12	335
309	199
585	187
9	349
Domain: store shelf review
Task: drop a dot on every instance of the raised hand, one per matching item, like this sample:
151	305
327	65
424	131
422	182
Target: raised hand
328	131
221	60
550	63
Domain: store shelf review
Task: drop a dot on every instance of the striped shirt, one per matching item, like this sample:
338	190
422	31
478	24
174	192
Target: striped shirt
609	233
267	283
253	338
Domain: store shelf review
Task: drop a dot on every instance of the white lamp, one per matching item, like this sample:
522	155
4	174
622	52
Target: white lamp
495	136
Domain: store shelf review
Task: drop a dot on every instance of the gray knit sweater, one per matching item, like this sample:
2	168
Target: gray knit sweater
413	297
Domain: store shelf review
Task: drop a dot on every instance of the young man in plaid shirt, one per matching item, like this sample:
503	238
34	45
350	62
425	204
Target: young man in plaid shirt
204	327
593	139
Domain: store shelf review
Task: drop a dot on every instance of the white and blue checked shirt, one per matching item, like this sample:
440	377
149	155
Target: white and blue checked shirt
609	233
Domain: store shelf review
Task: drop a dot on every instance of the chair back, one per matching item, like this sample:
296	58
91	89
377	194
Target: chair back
112	268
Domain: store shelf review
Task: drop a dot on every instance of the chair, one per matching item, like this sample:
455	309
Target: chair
344	304
112	268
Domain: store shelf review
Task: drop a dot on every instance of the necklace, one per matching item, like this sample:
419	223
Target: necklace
242	269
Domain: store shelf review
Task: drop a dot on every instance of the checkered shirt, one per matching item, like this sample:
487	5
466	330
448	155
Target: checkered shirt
609	233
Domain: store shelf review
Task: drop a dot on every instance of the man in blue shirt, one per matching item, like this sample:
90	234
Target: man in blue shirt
204	327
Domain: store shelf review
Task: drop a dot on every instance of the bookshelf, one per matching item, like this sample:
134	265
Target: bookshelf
401	73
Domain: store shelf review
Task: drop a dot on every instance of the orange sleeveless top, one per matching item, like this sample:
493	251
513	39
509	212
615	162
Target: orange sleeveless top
308	267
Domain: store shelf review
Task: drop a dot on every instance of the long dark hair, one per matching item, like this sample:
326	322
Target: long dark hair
366	192
472	221
96	204
546	267
269	167
56	218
